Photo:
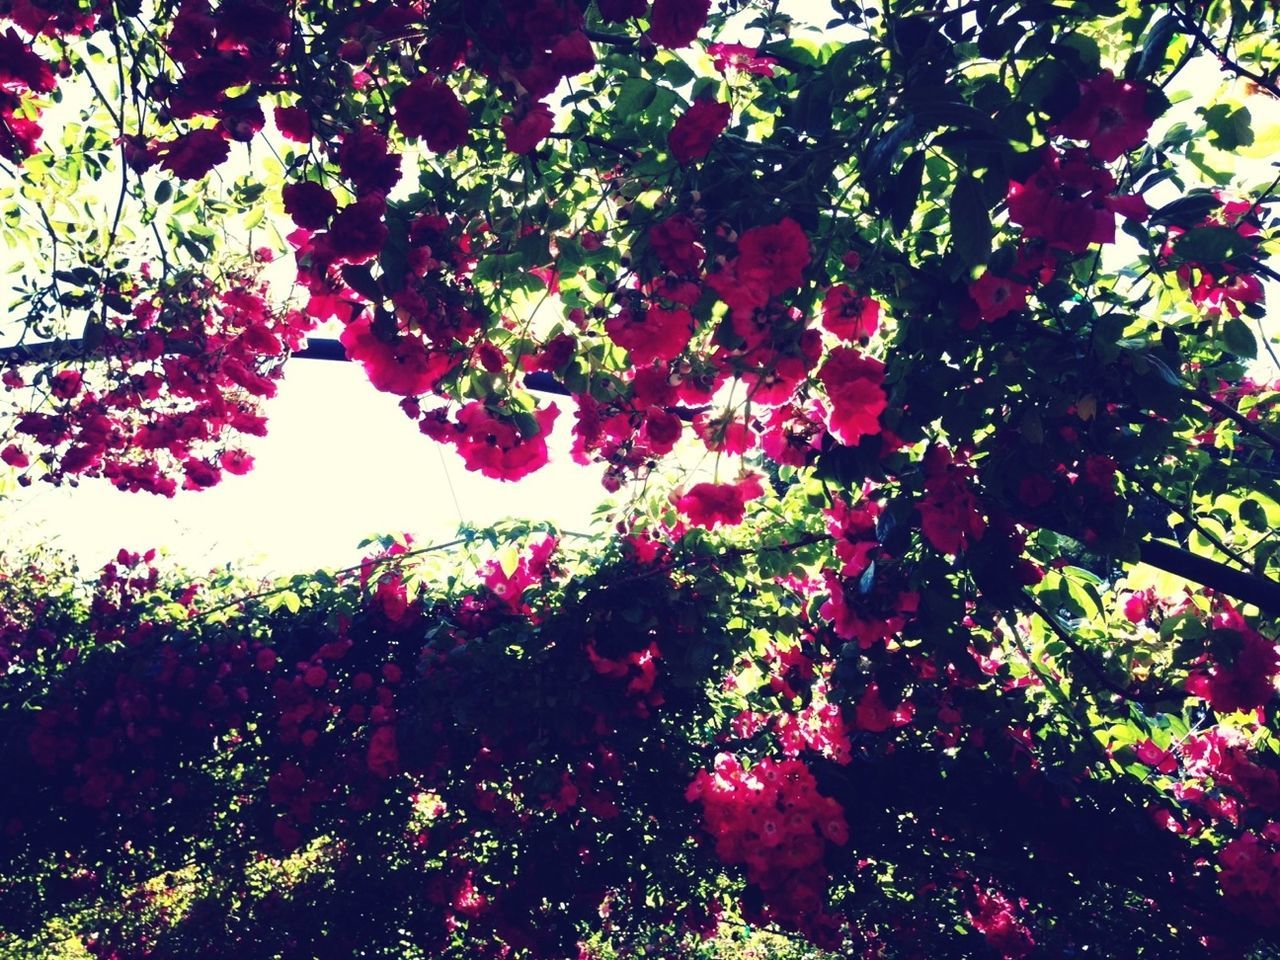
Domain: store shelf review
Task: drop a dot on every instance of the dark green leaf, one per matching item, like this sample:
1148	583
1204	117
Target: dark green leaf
1155	46
1208	244
1239	338
971	227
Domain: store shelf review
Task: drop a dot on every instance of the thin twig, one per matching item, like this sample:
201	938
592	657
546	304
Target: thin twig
1262	81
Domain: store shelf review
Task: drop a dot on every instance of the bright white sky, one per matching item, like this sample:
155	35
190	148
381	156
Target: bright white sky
341	463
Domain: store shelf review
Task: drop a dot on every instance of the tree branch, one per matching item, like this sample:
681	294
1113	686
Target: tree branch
1262	81
1262	592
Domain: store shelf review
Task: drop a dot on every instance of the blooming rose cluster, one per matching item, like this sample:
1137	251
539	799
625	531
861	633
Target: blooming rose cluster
23	74
994	917
496	445
510	586
1221	286
772	819
949	513
1240	670
1250	875
186	371
1070	202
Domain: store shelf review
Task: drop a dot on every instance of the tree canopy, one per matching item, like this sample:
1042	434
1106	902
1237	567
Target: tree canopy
965	648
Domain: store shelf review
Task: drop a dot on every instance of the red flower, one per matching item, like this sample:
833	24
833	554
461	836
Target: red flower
236	462
675	242
997	297
199	474
691	137
383	756
735	56
14	457
949	514
572	54
192	155
661	430
429	109
773	257
497	448
310	205
1245	679
712	504
402	365
530	130
294	123
358	233
1111	115
676	23
364	159
1069	202
66	384
660	335
849	315
1035	490
20	66
994	919
872	715
724	433
853	382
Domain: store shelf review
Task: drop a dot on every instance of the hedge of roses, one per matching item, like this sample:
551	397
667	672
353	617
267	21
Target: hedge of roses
573	752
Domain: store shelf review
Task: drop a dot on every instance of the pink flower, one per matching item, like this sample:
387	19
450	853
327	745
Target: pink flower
676	242
659	335
949	515
853	382
358	232
524	134
1069	202
383	755
774	256
736	56
997	297
712	504
849	315
310	205
294	123
1111	116
497	447
399	363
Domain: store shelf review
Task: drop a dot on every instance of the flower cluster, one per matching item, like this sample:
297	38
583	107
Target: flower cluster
187	367
772	819
23	73
949	512
1241	668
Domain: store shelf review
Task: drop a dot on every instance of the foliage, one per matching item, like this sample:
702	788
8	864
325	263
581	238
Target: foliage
970	303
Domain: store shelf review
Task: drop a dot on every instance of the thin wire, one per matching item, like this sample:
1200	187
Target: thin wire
449	480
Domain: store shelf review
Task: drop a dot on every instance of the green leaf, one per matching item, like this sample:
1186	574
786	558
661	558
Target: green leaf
1229	128
1239	338
1186	211
634	96
1156	45
1209	244
1253	516
971	227
905	191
